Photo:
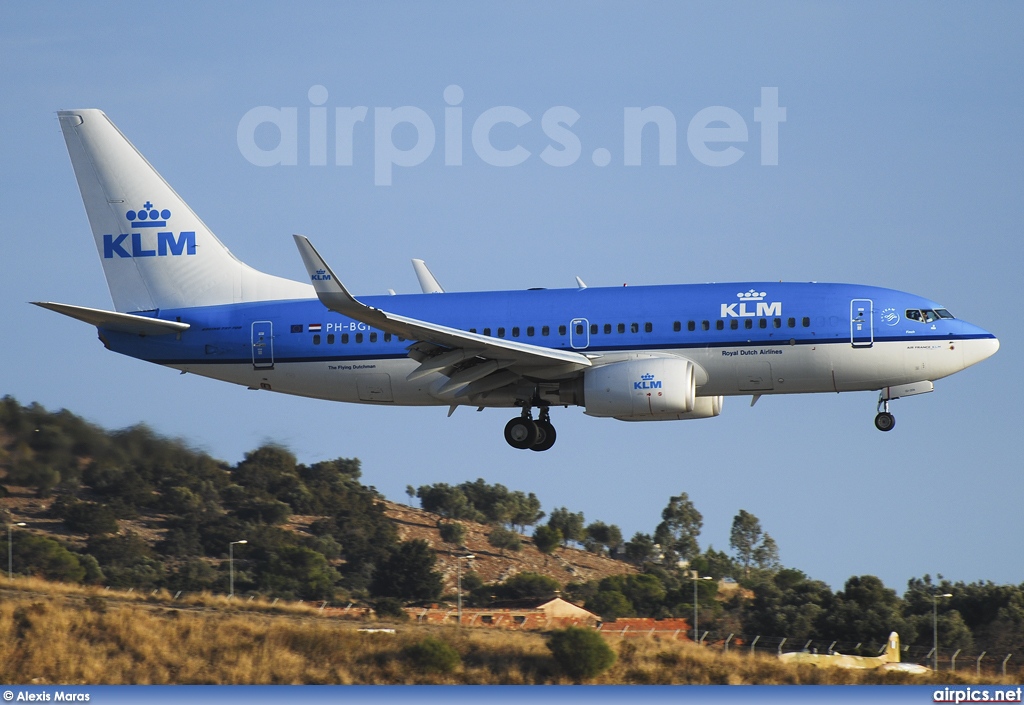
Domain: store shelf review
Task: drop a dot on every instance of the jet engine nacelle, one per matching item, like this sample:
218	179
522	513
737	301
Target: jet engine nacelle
640	390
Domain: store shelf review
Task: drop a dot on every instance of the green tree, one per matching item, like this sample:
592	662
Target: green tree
526	585
640	549
452	532
450	502
680	526
546	538
568	523
432	655
751	544
408	573
46	558
581	654
601	537
504	540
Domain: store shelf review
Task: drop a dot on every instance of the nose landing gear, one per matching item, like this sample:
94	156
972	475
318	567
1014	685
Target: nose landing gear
884	421
523	432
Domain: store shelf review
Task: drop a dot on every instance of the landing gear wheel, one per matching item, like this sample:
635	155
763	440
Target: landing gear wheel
546	436
885	421
521	432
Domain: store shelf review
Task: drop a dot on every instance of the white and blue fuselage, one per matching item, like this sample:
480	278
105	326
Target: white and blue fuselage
644	353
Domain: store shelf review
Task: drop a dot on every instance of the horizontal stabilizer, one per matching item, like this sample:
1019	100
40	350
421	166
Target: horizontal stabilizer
119	322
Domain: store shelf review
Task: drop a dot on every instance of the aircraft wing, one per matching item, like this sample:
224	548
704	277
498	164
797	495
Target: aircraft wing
120	322
495	354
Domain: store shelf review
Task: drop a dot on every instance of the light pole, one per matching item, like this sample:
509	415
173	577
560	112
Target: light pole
458	562
231	564
935	628
696	576
10	550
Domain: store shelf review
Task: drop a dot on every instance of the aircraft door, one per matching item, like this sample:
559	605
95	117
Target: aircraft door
262	345
579	333
862	327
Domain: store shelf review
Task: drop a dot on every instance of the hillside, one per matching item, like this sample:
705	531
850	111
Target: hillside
565	565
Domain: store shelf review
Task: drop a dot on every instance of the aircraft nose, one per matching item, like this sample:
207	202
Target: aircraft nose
979	348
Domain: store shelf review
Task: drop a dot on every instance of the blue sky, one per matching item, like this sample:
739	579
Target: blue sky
901	164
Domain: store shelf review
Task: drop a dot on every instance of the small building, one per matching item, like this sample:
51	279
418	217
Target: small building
518	614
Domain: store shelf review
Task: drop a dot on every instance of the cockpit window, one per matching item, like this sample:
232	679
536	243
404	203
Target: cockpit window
925	315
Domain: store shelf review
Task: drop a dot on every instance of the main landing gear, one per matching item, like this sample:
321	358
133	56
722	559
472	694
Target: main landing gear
884	421
523	432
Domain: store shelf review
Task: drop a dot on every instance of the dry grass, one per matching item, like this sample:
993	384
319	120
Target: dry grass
52	633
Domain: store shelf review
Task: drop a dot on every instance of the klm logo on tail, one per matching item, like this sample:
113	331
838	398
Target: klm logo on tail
166	243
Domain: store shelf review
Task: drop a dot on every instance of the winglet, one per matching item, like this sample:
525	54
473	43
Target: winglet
580	284
329	289
428	283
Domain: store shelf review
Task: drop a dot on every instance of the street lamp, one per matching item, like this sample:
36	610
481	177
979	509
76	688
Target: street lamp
10	550
231	564
695	577
935	629
458	562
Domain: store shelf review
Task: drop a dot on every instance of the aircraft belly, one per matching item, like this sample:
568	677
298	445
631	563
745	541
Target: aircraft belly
769	369
366	381
881	365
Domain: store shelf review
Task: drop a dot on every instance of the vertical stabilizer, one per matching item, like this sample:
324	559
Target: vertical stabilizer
156	253
892	648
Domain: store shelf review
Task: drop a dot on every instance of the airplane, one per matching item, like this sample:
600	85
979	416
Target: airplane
643	353
888	661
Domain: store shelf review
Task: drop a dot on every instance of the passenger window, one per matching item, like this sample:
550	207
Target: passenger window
472	330
648	327
621	328
545	330
330	338
762	323
805	322
634	327
373	337
777	322
561	330
487	331
501	332
387	337
529	331
705	325
607	328
593	329
344	338
720	324
359	337
791	323
515	331
748	324
734	324
579	329
691	326
677	326
316	340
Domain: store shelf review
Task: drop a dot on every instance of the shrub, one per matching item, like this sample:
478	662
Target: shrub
581	653
433	655
390	608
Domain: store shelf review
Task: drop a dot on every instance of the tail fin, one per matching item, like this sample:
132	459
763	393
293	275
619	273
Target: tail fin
156	252
892	648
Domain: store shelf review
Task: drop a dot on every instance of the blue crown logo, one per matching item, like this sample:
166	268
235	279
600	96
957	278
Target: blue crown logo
647	377
149	217
752	295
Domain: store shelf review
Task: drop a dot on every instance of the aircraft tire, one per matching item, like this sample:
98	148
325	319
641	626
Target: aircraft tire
521	432
885	421
546	436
